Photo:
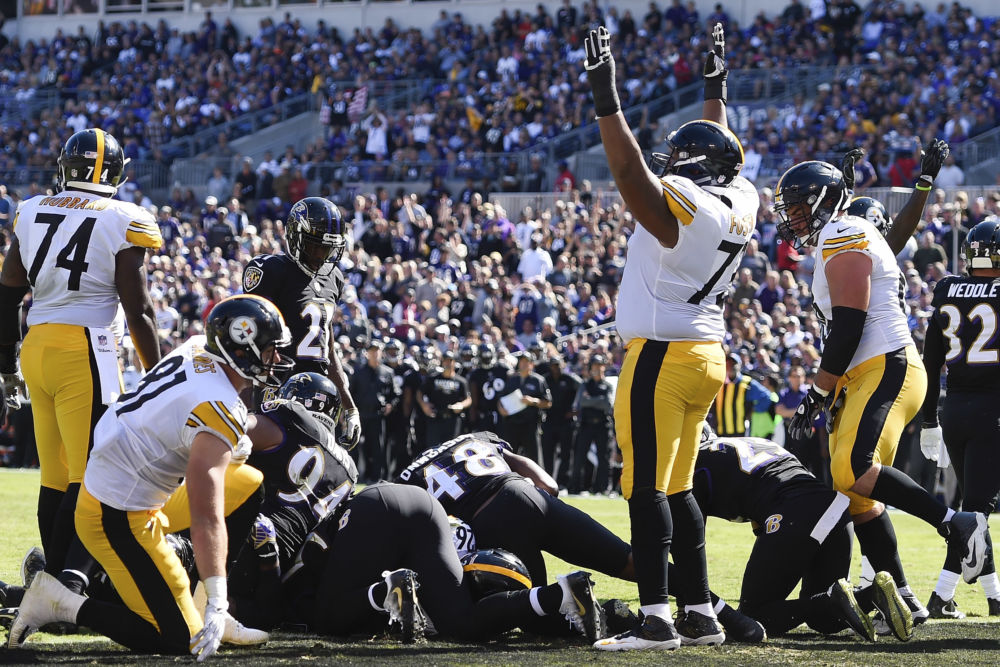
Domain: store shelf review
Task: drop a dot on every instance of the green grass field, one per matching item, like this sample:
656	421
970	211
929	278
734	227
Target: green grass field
975	640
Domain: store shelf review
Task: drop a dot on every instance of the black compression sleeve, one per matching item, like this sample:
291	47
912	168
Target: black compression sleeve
843	339
10	313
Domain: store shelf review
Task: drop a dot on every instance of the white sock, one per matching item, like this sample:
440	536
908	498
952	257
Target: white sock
867	572
371	599
661	610
947	515
705	609
719	606
946	585
535	604
991	585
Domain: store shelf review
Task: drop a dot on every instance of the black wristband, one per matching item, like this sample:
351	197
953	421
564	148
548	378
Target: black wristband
604	90
842	341
717	89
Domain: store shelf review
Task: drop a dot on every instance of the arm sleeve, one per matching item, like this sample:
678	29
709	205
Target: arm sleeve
933	360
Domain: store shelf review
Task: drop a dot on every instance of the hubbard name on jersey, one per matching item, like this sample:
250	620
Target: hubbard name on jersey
68	244
886	328
143	442
461	473
677	293
306	302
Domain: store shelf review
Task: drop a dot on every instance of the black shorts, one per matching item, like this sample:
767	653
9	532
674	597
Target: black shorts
527	521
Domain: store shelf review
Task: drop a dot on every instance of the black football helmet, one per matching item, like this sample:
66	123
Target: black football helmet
813	193
467	355
317	394
873	211
489	571
706	152
394	351
315	235
981	249
91	160
487	355
239	330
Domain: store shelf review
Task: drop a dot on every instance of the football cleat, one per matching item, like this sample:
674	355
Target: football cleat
46	601
917	610
741	628
403	606
994	606
652	634
967	531
937	607
238	634
890	604
32	563
580	606
7	615
842	595
618	617
696	629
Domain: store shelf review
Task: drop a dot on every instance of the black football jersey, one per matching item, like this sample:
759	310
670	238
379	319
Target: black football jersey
745	479
461	473
489	384
307	304
308	471
963	332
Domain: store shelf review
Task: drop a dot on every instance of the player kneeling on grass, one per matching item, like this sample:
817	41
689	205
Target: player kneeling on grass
183	423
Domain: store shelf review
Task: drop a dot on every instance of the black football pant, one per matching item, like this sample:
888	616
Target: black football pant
524	439
557	442
527	521
599	435
971	427
397	433
392	526
373	447
787	554
440	429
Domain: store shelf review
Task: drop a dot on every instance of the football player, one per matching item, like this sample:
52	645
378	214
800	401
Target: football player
960	337
486	384
394	539
695	216
307	475
871	370
305	283
184	423
81	252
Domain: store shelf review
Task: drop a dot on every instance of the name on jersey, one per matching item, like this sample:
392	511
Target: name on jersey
76	203
740	224
445	385
973	290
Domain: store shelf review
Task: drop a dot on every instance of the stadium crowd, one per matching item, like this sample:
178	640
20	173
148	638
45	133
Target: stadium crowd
505	87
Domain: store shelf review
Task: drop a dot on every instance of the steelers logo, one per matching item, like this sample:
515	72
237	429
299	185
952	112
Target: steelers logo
243	330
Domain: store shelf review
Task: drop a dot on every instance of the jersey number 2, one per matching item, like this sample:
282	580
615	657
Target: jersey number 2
314	344
978	352
73	257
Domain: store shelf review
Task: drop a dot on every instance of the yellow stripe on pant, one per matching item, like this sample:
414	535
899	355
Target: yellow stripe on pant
65	388
882	395
148	575
241	482
664	392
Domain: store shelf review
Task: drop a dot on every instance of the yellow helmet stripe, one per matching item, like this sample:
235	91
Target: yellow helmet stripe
99	165
506	572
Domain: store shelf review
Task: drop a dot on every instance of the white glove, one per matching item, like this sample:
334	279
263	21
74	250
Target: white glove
944	460
244	447
14	388
352	428
207	641
931	442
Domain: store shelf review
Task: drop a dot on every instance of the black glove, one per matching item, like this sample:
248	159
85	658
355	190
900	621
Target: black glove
600	66
931	160
834	409
809	410
715	71
847	165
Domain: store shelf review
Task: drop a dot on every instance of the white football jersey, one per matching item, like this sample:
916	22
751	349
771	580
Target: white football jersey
68	245
143	442
677	293
886	328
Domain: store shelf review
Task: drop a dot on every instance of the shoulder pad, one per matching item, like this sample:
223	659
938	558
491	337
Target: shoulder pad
846	233
682	197
254	271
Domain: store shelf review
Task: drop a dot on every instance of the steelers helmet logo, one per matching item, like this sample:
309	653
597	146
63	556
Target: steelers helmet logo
243	330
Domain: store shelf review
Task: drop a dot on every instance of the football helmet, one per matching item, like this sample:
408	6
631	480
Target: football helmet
317	394
487	355
808	196
91	160
489	571
427	359
394	352
873	211
467	355
314	234
240	329
706	152
981	249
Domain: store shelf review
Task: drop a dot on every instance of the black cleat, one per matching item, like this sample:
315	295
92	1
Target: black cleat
937	607
967	532
7	615
741	628
32	563
652	634
890	604
580	606
850	611
697	629
917	611
618	617
403	606
994	605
